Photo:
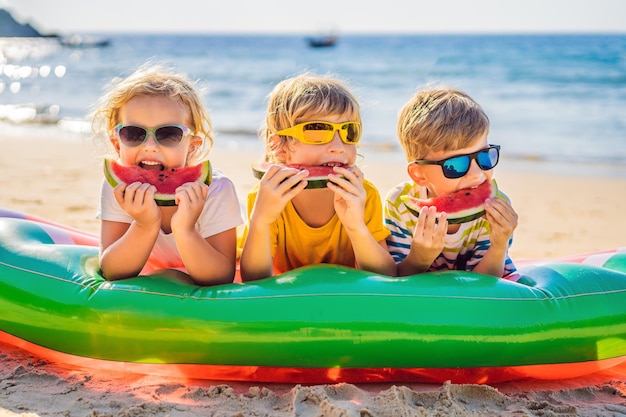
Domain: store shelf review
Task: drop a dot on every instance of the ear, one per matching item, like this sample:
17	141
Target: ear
278	147
116	143
195	143
416	172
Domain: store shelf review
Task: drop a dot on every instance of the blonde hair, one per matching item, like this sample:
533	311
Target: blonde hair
302	98
153	80
440	119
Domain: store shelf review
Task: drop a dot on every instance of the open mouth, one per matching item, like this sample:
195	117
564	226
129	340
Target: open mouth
333	164
469	189
152	165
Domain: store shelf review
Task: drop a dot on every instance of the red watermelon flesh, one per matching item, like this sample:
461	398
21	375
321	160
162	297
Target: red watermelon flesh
318	174
166	181
461	206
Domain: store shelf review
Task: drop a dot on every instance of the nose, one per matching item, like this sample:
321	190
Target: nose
336	145
475	171
151	141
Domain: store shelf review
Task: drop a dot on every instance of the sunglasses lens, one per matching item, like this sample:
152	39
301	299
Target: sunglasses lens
488	158
318	133
321	133
169	136
132	136
456	167
351	132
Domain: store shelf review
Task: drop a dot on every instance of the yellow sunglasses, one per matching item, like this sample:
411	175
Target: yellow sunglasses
319	133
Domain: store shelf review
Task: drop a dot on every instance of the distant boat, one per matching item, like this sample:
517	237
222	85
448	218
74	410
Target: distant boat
322	41
77	41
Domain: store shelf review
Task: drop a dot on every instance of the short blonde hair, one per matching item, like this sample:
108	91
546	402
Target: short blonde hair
440	119
154	80
302	98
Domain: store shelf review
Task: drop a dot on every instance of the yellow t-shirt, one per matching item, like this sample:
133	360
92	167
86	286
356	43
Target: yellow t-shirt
295	244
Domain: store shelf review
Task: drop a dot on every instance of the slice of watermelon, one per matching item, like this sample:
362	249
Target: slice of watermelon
461	207
166	181
318	174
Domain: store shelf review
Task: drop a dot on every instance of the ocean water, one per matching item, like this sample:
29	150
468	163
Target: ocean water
554	98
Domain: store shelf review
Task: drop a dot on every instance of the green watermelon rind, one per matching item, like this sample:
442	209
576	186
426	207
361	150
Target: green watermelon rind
451	220
459	217
163	200
258	170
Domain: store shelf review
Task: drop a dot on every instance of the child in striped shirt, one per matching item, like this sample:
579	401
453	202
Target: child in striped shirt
444	133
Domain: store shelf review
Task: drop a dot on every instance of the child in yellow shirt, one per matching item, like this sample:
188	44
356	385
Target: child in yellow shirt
313	121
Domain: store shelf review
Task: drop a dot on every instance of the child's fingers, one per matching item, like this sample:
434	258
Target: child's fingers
427	219
503	220
137	193
501	212
348	172
345	189
278	174
432	226
498	205
119	193
283	178
295	189
442	222
184	195
137	200
195	191
429	234
343	176
349	180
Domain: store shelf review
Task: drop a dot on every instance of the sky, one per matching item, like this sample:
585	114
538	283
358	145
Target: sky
317	16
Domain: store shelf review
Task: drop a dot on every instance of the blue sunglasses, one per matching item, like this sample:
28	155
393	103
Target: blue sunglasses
457	166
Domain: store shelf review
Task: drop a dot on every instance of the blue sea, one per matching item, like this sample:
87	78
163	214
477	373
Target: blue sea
560	99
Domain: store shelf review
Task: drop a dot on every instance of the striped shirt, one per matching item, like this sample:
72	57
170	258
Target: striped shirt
463	250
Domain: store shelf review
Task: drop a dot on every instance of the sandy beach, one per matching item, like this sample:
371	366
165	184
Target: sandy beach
57	176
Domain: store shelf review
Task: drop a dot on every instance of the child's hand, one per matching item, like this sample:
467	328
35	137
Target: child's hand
429	237
137	199
503	220
347	184
277	187
190	198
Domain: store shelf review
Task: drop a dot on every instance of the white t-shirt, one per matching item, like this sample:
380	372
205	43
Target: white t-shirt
222	211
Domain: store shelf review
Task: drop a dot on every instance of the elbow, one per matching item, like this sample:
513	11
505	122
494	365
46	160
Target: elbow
110	276
216	277
247	275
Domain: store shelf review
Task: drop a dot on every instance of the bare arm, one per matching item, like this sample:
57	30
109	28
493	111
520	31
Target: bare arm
277	187
125	248
371	255
429	238
350	196
503	221
256	256
210	260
